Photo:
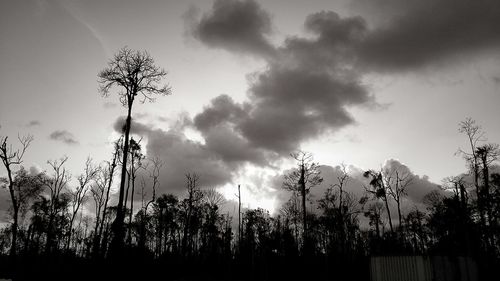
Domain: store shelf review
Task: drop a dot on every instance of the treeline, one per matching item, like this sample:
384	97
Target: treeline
136	232
192	237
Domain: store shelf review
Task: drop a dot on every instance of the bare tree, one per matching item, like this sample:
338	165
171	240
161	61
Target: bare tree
239	216
397	181
56	184
194	196
342	180
136	75
11	158
154	176
475	135
214	198
98	191
301	180
78	196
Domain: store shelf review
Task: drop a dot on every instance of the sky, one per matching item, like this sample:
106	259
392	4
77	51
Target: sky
366	82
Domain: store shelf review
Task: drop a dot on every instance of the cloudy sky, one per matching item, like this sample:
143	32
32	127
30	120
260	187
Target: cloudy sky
354	81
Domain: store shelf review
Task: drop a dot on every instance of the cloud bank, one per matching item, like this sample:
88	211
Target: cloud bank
302	94
311	82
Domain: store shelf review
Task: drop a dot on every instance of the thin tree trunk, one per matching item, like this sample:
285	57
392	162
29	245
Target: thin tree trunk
302	184
118	229
388	212
239	217
131	211
399	213
15	207
13	248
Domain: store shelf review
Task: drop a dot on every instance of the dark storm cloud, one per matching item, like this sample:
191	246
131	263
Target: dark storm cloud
239	26
33	123
63	136
311	82
427	32
294	104
217	125
233	148
305	90
222	109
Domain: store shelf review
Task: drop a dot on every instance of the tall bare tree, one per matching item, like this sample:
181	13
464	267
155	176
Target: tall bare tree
194	196
12	158
136	76
397	182
342	180
301	179
475	135
239	215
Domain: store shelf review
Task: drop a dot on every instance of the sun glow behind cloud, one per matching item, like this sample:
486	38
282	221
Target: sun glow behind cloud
257	189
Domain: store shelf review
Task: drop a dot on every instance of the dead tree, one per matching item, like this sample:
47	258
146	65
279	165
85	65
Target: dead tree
342	180
194	195
475	135
213	198
397	182
10	159
136	75
239	217
56	184
98	191
301	179
78	196
154	176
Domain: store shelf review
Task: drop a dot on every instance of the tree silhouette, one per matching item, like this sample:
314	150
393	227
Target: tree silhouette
79	194
305	176
11	158
136	76
487	154
475	135
379	182
397	181
57	201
